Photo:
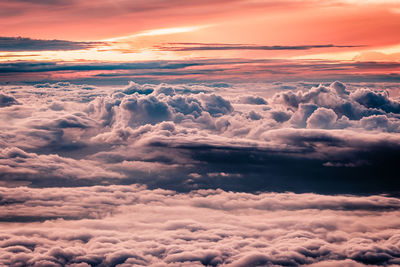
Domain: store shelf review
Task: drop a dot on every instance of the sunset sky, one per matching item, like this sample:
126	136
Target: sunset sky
229	133
343	34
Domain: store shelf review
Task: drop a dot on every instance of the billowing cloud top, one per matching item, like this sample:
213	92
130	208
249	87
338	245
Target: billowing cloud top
295	136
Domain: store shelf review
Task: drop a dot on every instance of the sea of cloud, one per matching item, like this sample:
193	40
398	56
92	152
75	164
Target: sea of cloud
199	174
133	226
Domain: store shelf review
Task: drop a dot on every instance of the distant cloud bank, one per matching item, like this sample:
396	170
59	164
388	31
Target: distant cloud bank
196	71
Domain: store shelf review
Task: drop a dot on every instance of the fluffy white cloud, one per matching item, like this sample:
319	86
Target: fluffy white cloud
322	118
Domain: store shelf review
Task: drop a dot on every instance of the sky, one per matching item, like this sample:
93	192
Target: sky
358	38
199	133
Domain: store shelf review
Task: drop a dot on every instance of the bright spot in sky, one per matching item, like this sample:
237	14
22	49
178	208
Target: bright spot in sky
155	32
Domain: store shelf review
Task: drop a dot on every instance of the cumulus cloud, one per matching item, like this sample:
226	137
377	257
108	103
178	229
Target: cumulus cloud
378	100
137	88
322	118
145	110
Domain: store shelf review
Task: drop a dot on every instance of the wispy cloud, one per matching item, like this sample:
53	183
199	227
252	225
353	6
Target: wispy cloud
217	46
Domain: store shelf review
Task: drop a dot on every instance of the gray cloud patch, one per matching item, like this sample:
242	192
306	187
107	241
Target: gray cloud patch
6	100
15	44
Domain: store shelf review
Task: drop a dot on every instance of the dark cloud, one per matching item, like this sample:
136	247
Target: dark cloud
379	100
280	116
216	105
6	101
254	115
141	111
137	88
15	44
54	66
255	100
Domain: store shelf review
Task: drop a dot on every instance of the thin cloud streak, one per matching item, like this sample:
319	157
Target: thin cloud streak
20	44
216	47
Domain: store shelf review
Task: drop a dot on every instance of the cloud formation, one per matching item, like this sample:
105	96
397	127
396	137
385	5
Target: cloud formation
190	136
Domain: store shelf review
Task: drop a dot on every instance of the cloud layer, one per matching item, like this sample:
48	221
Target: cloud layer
134	226
199	174
196	70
